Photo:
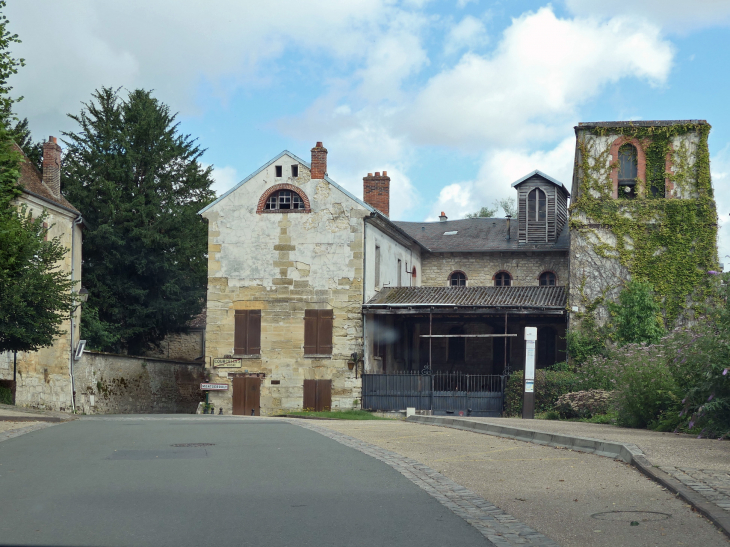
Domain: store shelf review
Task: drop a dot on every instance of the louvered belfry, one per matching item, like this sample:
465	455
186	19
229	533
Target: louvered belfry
543	208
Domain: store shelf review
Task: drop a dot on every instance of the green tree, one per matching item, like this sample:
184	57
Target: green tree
140	184
508	205
636	315
35	294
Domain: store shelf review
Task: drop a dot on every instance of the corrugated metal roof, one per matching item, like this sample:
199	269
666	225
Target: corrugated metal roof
476	235
522	297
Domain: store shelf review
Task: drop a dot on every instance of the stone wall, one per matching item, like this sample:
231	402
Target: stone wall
284	263
121	384
186	346
480	268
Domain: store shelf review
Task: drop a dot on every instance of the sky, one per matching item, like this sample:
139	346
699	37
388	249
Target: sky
455	99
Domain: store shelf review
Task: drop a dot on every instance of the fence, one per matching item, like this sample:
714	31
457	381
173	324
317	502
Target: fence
441	393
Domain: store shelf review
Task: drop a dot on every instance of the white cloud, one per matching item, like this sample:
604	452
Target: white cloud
676	15
720	167
468	34
225	178
542	70
499	169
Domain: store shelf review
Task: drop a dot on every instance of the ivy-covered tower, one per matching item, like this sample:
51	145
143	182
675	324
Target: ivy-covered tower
642	208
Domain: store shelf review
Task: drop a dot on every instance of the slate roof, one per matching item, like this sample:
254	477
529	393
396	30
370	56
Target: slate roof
31	180
476	235
547	178
511	297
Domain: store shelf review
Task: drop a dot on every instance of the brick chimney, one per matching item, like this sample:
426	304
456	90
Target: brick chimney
443	217
319	161
376	191
52	166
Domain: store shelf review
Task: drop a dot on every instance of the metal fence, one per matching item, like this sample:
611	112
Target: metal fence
441	393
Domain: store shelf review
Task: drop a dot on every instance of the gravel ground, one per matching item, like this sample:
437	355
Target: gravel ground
662	449
557	492
8	426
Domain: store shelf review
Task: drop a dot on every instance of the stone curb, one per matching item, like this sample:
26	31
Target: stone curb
629	453
53	419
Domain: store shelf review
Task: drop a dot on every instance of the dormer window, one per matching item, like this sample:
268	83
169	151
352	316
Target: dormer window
628	171
536	206
284	199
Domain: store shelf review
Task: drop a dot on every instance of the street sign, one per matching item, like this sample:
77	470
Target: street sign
226	362
214	387
528	399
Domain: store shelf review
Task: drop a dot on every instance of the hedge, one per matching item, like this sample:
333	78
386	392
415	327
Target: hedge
549	385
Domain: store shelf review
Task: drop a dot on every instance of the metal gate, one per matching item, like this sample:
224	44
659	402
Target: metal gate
441	393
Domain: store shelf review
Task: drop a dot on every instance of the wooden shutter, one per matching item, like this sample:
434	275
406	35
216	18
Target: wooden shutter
254	332
240	332
318	332
324	332
310	332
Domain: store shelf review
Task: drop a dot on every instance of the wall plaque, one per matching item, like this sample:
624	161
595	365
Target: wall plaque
226	362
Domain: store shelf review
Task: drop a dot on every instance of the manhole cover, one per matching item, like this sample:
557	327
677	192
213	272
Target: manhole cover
631	516
192	444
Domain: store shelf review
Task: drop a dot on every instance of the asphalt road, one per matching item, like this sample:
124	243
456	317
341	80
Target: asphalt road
109	482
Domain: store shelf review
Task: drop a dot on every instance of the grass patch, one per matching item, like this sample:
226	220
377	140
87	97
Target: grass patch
609	418
339	415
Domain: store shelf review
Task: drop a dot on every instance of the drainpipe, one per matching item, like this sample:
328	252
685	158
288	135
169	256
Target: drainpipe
75	223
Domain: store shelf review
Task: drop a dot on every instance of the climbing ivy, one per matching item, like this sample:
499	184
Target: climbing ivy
670	242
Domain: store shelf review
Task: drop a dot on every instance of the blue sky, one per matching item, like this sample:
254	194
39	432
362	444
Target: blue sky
455	99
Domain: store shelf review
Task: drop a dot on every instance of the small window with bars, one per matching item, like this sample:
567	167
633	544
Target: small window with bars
457	279
547	279
284	200
502	279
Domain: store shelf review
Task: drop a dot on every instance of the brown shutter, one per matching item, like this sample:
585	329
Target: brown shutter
240	332
254	332
310	332
324	332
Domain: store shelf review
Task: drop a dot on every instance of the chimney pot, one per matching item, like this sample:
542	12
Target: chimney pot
376	191
52	167
443	217
385	173
319	161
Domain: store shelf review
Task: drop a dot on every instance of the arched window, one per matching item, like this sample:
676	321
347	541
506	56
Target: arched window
536	206
502	279
284	199
547	279
628	171
457	279
414	272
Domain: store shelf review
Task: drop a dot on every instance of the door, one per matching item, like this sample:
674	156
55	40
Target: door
246	396
317	395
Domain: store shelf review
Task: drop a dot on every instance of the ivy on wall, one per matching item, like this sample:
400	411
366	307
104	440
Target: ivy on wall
671	242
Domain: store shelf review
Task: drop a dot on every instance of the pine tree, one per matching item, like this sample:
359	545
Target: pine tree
140	185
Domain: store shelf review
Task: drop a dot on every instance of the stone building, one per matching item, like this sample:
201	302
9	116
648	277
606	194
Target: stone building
43	377
309	286
642	208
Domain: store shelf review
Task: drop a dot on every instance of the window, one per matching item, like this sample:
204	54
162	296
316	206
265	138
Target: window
247	332
318	332
295	171
377	266
413	272
536	205
278	171
457	279
628	171
399	273
284	199
502	279
547	279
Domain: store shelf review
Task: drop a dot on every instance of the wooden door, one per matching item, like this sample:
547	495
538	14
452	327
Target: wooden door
246	396
317	395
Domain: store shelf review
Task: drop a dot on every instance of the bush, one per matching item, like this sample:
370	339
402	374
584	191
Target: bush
6	396
584	404
549	385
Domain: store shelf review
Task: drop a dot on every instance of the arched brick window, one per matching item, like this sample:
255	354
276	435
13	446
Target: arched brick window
548	279
629	168
283	198
457	279
502	279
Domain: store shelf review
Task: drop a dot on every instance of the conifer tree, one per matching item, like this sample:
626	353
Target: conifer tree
140	184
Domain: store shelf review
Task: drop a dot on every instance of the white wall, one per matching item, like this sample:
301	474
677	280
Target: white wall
390	252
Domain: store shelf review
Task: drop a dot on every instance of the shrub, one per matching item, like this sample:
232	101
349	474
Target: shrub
584	404
549	385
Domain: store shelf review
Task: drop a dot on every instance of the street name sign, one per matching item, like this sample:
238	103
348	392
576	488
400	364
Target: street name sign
214	387
226	362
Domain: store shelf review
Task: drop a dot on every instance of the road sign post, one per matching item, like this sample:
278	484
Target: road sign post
528	399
